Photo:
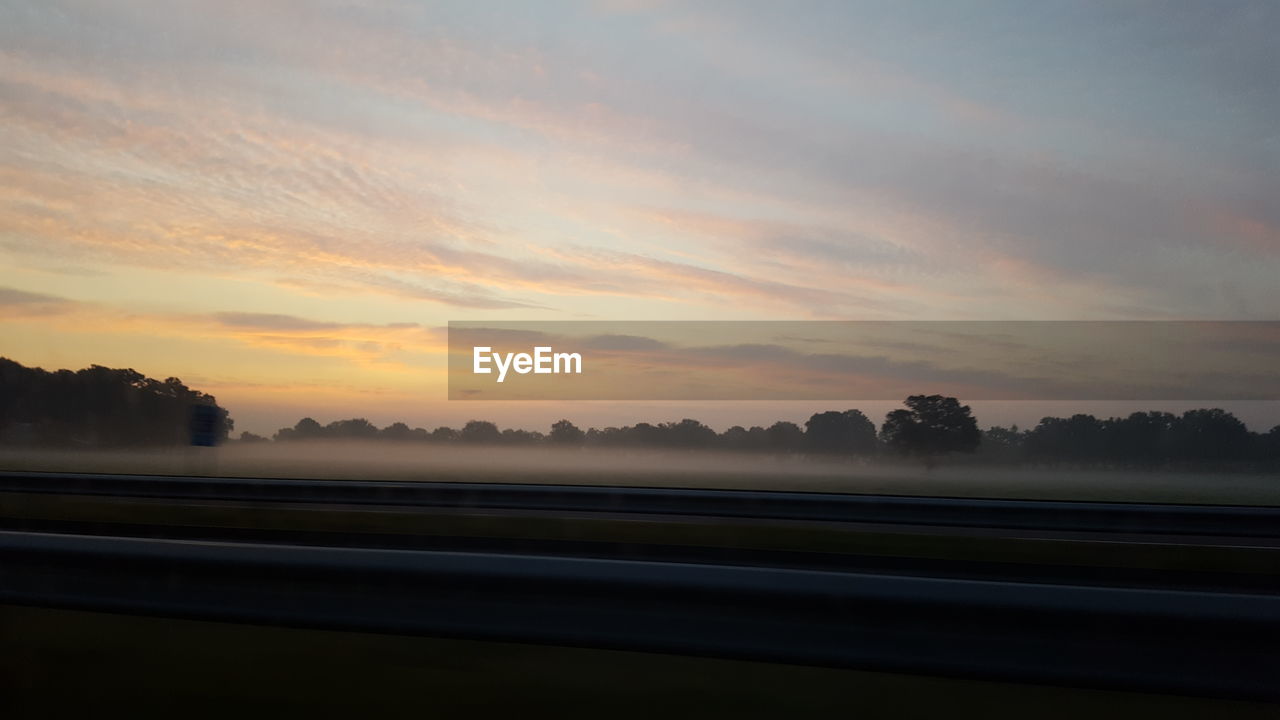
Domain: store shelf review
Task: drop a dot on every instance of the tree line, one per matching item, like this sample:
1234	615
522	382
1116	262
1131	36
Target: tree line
105	407
102	407
928	427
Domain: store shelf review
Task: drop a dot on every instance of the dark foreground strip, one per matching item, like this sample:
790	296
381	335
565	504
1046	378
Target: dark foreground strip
1127	518
1198	643
1225	577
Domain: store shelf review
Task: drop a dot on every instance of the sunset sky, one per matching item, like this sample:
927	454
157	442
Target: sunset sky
283	203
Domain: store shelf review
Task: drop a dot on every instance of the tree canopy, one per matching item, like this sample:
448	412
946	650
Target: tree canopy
100	407
848	432
931	425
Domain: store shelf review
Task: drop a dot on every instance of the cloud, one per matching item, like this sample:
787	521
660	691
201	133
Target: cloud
648	276
444	154
271	321
19	304
10	296
387	344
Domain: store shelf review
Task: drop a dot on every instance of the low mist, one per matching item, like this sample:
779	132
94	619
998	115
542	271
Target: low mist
374	460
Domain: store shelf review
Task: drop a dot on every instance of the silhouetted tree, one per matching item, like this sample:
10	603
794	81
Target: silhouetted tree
736	438
688	434
353	429
1209	435
848	432
931	425
1269	446
480	432
1142	438
100	406
248	437
1003	445
400	432
521	437
602	437
444	434
643	435
784	437
1078	439
566	433
304	429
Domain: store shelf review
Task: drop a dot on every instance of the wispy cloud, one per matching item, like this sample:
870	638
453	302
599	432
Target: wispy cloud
21	304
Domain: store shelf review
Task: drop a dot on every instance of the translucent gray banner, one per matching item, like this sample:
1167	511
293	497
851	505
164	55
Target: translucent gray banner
864	360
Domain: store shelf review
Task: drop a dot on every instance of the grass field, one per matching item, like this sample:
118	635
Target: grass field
60	663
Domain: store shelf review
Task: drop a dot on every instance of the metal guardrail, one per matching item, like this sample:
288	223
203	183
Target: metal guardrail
1199	643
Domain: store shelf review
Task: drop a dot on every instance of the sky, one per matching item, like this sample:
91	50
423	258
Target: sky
285	203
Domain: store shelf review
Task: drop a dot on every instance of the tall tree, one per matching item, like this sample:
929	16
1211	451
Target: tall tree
784	437
566	433
1003	444
100	406
305	429
401	432
930	426
1080	439
480	432
445	434
849	432
1208	435
353	429
688	433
